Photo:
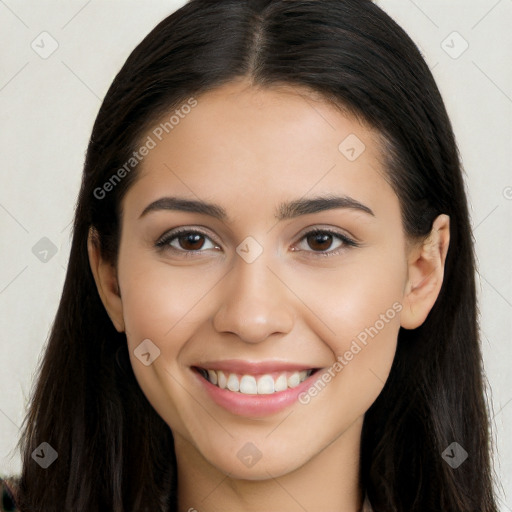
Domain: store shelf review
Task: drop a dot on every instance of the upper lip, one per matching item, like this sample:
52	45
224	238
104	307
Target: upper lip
253	368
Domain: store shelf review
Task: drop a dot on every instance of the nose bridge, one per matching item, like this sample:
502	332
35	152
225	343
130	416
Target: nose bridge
254	305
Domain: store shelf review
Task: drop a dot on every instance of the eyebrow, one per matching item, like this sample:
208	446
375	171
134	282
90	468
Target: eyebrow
285	211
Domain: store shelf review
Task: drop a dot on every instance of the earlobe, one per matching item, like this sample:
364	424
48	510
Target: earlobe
425	274
105	277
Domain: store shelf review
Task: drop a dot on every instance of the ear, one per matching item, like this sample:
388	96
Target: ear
425	274
105	276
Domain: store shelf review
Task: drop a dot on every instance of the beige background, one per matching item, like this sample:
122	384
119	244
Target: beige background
48	106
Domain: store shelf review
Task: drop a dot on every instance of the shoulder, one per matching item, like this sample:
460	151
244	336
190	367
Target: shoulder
8	487
366	504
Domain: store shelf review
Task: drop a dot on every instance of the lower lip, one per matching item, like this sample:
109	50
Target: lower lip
254	405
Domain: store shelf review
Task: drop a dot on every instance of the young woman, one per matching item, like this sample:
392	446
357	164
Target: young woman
270	298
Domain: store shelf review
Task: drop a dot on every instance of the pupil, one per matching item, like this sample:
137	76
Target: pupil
190	241
320	241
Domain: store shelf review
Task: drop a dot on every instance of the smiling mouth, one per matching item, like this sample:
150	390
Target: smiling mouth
264	384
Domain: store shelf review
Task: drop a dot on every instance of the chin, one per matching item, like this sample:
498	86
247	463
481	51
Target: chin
273	466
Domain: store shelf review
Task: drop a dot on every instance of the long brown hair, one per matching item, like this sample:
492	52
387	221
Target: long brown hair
115	453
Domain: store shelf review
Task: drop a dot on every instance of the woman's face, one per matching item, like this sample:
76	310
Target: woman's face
247	287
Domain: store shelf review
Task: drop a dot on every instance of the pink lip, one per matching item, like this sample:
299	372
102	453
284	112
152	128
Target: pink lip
253	406
247	368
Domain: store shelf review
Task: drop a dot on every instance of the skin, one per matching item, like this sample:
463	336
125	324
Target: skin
249	149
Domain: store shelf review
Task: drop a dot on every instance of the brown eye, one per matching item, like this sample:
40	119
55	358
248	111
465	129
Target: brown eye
186	241
191	241
322	242
319	241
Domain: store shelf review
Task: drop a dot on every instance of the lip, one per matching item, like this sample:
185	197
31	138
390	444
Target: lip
253	368
255	406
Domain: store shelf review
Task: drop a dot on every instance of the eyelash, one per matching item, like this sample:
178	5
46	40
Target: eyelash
163	243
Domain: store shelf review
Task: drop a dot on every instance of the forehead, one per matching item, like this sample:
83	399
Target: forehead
260	143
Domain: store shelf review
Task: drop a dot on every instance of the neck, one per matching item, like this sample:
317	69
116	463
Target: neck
329	481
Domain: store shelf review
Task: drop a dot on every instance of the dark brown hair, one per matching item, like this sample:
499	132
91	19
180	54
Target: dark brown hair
115	453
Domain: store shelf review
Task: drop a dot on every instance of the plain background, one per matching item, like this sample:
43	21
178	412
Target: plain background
48	106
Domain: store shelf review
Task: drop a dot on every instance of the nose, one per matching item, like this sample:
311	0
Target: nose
256	303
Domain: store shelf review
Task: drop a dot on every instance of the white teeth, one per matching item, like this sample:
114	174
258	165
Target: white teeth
281	383
212	376
233	383
222	382
294	380
248	385
264	385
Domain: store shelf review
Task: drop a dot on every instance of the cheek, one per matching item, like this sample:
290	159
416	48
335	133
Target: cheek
166	305
357	315
362	293
161	304
160	300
